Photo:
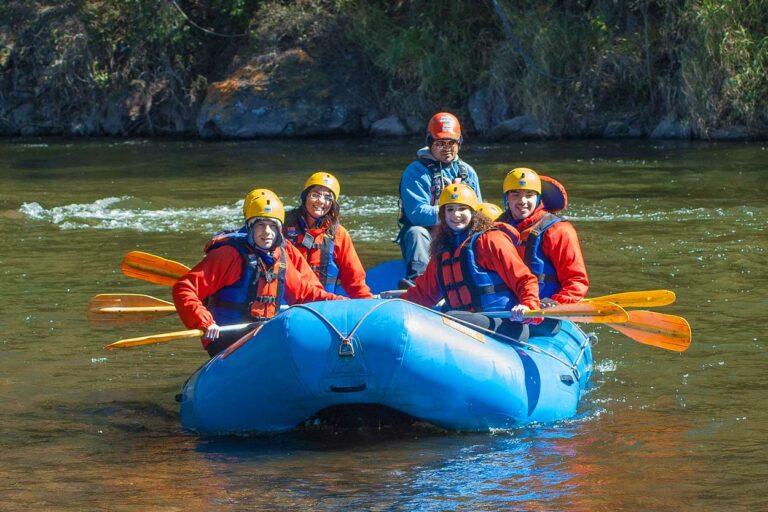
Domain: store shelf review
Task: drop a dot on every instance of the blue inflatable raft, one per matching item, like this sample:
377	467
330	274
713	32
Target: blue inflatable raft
389	353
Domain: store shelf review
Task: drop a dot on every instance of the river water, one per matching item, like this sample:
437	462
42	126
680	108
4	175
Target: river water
87	429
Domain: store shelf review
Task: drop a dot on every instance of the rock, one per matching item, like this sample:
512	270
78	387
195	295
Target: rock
416	125
486	109
621	130
518	128
736	132
388	127
671	128
283	94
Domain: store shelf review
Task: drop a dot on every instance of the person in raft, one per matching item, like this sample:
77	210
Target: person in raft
315	230
475	267
549	244
437	166
245	277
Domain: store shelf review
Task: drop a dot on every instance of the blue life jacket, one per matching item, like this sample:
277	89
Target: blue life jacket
259	292
324	267
540	265
467	286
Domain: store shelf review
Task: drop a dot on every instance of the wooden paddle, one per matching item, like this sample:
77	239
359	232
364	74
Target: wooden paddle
171	336
669	332
646	298
115	309
151	268
590	312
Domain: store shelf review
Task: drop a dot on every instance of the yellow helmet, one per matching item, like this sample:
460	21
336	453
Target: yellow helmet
459	193
522	178
253	194
265	204
324	179
490	210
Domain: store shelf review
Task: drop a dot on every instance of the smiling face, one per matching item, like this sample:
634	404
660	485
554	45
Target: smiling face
318	201
444	150
458	216
265	232
522	203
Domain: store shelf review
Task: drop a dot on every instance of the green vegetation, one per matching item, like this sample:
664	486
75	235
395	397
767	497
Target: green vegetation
572	64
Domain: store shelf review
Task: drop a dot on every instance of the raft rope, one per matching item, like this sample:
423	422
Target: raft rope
589	338
346	349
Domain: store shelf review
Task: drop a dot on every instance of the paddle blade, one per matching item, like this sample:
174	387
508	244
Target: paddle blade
641	299
116	309
669	332
151	268
155	338
591	312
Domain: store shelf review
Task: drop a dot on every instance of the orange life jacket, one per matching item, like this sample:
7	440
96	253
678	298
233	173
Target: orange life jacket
466	285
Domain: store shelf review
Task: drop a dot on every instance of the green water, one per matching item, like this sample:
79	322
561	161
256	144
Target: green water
87	429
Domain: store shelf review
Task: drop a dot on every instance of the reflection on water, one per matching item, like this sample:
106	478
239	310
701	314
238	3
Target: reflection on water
86	429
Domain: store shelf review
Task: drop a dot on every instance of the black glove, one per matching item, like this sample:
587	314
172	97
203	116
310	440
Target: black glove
548	303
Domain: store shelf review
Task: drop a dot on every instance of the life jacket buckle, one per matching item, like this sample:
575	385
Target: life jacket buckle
346	349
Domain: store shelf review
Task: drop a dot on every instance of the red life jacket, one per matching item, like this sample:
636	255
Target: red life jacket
320	256
468	286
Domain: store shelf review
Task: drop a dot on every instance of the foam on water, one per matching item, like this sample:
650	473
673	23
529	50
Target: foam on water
120	213
127	212
367	218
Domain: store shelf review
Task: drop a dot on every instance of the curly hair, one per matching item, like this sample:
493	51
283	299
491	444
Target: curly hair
442	235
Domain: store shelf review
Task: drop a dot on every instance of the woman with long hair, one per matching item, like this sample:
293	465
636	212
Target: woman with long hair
475	267
314	228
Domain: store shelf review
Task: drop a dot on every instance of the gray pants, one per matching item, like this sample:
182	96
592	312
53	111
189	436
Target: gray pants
414	245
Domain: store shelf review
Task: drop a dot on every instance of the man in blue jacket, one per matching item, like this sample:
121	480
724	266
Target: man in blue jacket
437	165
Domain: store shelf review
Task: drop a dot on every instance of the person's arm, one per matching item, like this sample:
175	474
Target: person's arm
221	267
427	290
301	283
351	271
416	195
496	252
561	246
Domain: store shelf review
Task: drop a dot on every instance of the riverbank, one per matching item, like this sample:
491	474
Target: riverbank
250	69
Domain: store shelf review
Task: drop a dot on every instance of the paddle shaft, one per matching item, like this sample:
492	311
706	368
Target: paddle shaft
591	312
145	309
171	336
642	299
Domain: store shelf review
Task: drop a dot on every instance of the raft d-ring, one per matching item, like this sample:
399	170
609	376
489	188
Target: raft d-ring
346	349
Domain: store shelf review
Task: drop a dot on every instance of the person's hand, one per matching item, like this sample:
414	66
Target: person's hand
212	332
548	303
518	313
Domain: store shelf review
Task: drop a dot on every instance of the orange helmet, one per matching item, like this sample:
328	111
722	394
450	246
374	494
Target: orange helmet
459	193
443	125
